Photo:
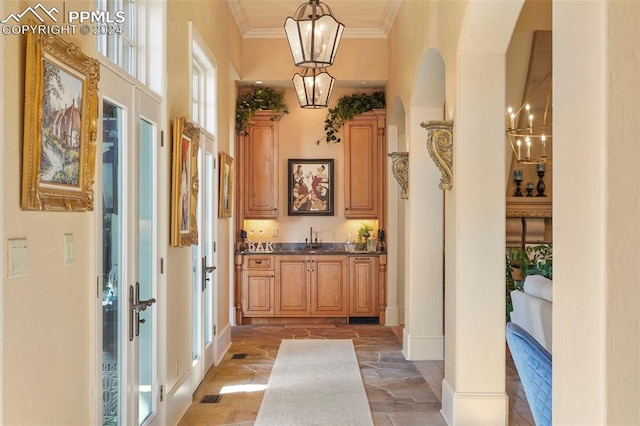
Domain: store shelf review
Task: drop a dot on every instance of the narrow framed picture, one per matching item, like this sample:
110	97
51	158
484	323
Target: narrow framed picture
184	185
310	187
60	126
225	205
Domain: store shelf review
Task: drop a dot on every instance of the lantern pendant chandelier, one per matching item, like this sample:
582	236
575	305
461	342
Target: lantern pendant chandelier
530	142
313	87
314	36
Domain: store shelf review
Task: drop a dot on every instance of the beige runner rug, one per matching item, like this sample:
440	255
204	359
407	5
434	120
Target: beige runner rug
315	382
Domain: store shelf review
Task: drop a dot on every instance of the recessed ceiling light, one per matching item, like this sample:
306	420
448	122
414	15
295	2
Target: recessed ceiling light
363	82
259	81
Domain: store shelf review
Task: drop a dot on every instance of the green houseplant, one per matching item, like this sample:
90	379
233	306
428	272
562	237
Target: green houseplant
532	260
346	108
364	233
258	98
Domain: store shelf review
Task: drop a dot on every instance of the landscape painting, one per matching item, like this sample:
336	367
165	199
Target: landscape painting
61	126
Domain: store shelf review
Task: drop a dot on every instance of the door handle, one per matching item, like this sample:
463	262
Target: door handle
136	306
206	270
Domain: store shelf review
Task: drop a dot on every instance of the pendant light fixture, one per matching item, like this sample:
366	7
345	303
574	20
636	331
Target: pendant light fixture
313	87
313	34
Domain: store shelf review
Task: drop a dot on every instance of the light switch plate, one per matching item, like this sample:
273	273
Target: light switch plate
69	250
17	257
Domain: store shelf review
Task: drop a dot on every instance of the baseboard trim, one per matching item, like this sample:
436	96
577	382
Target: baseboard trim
422	348
474	408
391	317
179	399
224	343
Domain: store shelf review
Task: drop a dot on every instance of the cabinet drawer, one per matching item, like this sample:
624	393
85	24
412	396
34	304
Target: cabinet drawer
258	262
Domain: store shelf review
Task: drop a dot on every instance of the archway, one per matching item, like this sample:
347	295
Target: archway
423	337
474	384
396	254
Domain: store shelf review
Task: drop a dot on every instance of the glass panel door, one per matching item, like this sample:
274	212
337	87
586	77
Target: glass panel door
204	264
112	243
128	244
146	267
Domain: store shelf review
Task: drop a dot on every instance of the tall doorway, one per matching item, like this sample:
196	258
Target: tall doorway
204	258
128	253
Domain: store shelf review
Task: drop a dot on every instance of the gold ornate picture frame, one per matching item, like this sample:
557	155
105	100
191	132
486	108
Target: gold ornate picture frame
184	183
225	204
60	126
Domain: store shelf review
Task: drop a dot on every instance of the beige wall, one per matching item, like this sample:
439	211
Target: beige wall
48	314
223	40
596	332
356	60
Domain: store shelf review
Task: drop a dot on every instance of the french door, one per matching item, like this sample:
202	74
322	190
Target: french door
204	258
128	253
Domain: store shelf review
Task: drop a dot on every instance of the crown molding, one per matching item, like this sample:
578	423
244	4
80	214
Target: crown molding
348	33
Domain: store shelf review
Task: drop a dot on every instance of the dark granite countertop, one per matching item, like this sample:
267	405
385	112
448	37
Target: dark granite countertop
320	249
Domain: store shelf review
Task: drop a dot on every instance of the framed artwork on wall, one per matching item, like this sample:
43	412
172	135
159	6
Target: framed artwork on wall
184	183
310	187
225	204
60	126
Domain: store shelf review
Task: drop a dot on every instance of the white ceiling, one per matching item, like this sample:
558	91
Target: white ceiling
361	18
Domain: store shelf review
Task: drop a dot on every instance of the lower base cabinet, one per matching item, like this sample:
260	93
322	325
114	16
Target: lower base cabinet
309	286
363	286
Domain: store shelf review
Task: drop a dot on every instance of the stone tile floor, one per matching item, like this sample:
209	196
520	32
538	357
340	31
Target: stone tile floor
400	392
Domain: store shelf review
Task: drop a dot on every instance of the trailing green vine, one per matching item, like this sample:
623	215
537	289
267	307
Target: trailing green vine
259	98
346	108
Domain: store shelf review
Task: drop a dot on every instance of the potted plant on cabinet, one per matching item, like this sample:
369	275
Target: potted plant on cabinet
346	108
258	98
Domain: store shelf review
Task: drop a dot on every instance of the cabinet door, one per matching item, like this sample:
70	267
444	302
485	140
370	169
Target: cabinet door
363	286
329	285
260	161
292	285
364	147
257	293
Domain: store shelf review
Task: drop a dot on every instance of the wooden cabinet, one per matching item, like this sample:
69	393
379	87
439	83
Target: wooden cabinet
292	285
363	286
275	287
258	279
258	163
311	286
329	285
365	166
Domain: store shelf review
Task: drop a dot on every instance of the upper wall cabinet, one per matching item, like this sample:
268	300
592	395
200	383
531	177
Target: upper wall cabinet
365	155
258	189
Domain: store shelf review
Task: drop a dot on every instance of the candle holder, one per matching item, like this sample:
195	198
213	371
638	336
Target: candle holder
381	246
518	192
517	179
529	189
540	187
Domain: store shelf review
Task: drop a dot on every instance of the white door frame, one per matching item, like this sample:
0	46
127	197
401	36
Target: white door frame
139	104
207	352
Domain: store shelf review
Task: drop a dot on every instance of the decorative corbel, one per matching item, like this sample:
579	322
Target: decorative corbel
440	147
400	169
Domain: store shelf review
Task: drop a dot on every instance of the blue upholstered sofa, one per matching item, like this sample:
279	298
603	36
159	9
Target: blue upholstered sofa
533	363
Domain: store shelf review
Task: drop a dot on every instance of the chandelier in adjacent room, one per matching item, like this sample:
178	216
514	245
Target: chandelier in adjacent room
529	130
